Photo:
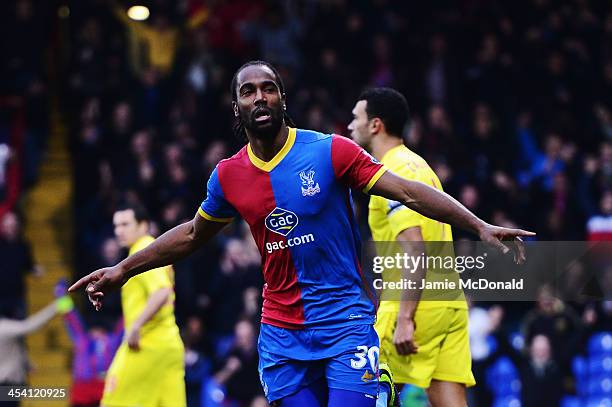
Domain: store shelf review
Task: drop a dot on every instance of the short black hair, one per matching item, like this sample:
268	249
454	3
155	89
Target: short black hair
239	126
140	212
388	105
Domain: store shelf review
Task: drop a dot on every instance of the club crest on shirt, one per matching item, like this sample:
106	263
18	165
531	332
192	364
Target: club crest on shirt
281	221
367	376
308	181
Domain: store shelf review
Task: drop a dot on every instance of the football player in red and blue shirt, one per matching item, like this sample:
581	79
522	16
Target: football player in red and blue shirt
317	344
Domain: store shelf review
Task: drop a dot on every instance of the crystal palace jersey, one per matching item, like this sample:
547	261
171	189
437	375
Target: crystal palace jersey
298	206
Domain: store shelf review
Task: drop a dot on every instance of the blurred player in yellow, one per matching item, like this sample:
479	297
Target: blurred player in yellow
425	343
148	369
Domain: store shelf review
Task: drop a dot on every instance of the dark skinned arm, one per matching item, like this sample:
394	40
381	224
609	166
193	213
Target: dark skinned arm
442	207
170	247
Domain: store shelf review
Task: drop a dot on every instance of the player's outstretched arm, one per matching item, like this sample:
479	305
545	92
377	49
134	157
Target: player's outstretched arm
170	247
440	206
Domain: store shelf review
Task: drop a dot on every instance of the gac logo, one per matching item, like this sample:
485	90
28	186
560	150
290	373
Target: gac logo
281	221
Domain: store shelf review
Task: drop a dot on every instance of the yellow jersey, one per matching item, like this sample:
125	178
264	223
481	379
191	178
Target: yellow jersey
161	329
387	219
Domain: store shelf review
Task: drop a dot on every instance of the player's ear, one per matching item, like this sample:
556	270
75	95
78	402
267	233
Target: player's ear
284	100
376	125
235	108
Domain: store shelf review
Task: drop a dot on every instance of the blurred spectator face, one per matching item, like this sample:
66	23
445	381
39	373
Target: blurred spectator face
443	171
215	153
172	212
182	131
329	59
150	77
354	23
10	227
483	122
259	102
360	126
382	48
259	401
91	32
489	49
560	182
234	251
546	301
245	335
178	174
553	146
469	197
122	117
91	110
437	45
89	134
193	332
315	118
606	203
173	154
606	153
111	252
234	257
250	298
437	118
141	144
127	229
556	64
415	132
23	9
540	351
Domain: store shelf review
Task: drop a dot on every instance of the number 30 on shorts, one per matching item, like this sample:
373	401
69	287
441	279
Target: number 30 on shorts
365	354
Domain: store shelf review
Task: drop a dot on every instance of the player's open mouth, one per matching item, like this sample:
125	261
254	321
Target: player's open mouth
262	116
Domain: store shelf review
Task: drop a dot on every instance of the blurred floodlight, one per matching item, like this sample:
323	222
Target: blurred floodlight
138	13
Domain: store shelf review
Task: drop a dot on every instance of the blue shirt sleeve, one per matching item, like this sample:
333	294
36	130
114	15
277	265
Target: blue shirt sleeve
215	207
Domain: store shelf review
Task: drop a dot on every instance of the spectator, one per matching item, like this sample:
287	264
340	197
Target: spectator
14	364
540	375
559	323
239	373
17	262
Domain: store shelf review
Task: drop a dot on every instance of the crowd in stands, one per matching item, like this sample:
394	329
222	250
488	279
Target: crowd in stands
511	104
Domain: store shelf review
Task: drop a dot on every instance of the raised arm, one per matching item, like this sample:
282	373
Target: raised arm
440	206
170	247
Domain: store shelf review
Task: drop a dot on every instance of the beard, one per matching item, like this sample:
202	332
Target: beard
263	131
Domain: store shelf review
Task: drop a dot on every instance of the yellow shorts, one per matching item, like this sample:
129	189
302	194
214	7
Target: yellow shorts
146	378
444	347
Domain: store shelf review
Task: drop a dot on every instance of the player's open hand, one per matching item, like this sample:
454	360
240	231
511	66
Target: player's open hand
496	235
99	283
403	337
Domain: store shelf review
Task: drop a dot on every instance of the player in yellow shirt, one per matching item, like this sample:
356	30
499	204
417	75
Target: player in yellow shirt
425	343
148	369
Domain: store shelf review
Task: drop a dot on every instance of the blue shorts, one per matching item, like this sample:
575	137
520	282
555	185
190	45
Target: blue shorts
290	360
